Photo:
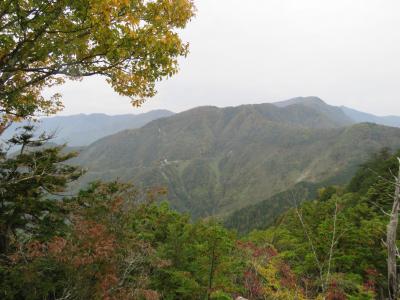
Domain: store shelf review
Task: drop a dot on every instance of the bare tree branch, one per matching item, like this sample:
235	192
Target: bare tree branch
391	238
310	242
333	243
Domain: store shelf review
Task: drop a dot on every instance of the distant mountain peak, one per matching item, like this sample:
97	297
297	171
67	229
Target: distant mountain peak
330	112
310	100
83	129
151	112
343	114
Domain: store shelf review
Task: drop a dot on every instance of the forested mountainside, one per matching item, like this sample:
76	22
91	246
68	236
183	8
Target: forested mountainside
292	200
337	237
266	212
122	243
214	161
82	130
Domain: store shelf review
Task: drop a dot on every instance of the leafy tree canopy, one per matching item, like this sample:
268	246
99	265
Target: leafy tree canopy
133	43
336	239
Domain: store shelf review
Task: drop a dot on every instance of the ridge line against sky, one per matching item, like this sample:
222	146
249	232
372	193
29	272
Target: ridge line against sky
257	51
140	111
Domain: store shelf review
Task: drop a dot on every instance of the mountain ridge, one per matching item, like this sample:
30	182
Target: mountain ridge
352	115
83	129
217	160
359	116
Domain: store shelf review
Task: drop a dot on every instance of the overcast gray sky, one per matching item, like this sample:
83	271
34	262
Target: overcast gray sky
251	51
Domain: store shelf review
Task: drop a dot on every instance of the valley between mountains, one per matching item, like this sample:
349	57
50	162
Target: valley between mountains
225	161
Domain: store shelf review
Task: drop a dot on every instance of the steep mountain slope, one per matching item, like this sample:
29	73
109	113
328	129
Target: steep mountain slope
82	130
263	214
215	161
358	116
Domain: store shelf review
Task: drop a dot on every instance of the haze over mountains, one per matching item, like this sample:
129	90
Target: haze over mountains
215	161
358	116
82	130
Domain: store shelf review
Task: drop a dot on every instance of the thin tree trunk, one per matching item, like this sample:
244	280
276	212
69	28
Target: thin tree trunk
211	275
391	243
333	243
311	244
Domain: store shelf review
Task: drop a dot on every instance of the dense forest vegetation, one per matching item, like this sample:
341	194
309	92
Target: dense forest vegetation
112	241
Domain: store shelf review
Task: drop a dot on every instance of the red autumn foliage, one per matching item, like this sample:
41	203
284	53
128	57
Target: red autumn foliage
288	279
263	255
255	251
253	285
56	245
35	249
94	243
334	292
370	283
150	295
